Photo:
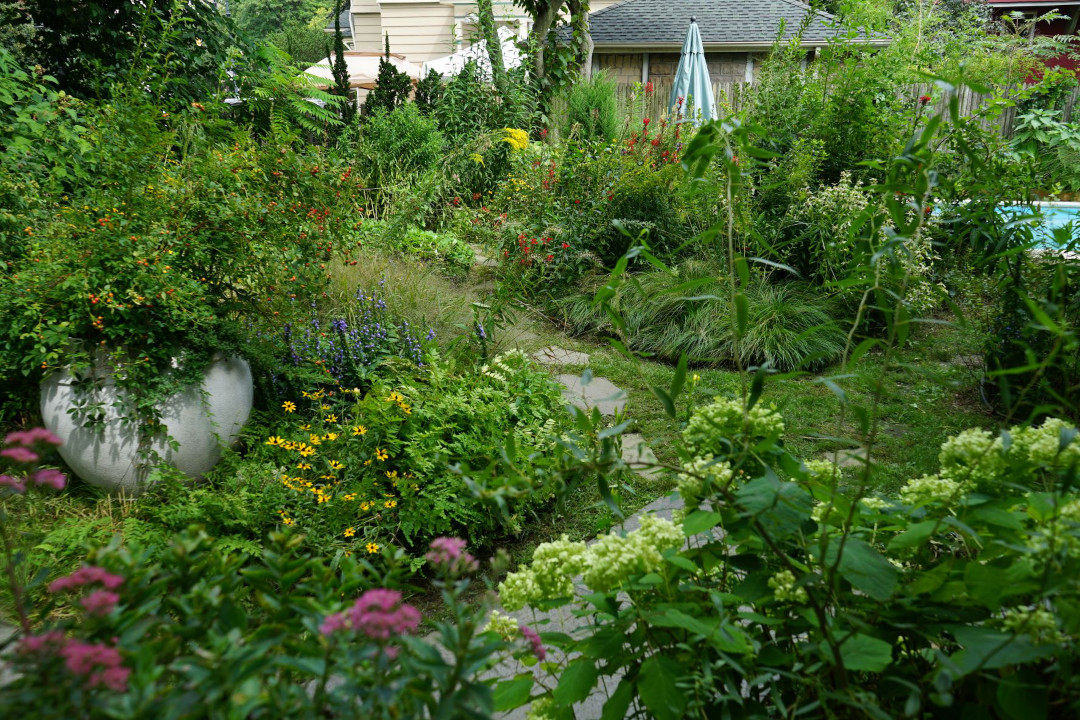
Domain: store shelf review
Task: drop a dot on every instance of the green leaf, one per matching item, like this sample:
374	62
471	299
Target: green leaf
866	653
665	400
510	694
914	536
1023	696
679	380
616	706
576	683
658	687
699	521
865	568
989	649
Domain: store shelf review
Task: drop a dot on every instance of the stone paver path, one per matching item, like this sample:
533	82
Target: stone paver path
599	393
555	355
638	455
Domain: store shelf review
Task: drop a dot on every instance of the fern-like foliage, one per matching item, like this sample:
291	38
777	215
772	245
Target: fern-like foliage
282	101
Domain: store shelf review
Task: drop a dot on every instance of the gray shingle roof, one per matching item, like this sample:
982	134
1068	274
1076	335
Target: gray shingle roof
346	26
664	22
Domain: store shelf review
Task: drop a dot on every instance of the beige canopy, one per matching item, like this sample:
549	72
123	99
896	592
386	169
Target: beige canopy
363	69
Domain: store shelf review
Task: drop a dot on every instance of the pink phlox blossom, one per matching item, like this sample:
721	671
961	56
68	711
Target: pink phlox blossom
449	554
100	602
333	623
51	640
534	639
31	437
85	576
14	483
52	478
83	658
380	614
115	678
19	454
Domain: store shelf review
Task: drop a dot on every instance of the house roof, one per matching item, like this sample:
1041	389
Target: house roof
346	25
736	23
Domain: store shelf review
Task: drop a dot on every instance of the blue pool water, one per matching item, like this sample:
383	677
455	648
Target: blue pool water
1054	215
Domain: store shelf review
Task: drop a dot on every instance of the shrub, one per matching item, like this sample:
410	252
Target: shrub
882	605
429	92
592	109
138	633
386	465
455	256
788	326
392	87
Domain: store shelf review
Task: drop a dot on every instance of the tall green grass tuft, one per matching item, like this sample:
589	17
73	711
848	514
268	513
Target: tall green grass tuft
592	110
789	326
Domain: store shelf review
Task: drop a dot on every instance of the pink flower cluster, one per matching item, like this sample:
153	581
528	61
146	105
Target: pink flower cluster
449	554
20	452
101	665
534	638
87	575
378	614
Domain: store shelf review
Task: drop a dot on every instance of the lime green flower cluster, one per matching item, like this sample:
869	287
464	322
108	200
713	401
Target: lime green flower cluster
1038	623
824	470
604	565
504	625
693	483
1043	446
975	459
725	419
784	590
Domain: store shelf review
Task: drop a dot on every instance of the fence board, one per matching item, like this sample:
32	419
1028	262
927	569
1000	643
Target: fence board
730	97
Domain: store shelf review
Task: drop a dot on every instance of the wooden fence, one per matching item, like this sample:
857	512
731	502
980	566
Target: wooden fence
634	104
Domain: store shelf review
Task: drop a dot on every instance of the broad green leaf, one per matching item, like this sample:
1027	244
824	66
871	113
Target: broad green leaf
616	706
989	649
866	653
514	693
699	521
914	536
576	683
1023	696
658	687
864	567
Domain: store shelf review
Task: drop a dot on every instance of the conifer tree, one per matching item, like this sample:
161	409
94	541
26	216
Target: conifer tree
392	86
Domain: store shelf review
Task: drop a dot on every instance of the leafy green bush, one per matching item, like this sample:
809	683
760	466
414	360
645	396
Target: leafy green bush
396	144
290	632
378	466
788	325
456	256
592	109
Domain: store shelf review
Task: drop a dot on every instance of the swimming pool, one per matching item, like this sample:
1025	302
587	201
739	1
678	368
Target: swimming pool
1054	215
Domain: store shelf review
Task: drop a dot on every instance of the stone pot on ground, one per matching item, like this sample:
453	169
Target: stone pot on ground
202	420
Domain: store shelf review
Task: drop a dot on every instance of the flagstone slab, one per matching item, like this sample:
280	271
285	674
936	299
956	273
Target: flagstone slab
555	355
639	456
600	393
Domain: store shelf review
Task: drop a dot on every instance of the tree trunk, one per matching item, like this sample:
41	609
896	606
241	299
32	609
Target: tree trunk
546	13
583	42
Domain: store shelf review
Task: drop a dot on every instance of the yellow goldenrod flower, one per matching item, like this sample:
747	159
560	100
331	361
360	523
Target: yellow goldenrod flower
289	406
359	430
372	548
349	532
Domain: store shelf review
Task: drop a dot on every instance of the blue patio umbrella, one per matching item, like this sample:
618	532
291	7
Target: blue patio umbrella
692	82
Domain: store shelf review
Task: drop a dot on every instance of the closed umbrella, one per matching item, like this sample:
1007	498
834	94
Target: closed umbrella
692	81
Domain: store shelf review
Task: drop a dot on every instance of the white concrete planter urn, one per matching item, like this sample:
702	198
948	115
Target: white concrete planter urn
202	420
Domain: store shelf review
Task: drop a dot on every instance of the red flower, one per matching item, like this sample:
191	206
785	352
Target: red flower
646	122
550	258
928	209
656	142
543	133
475	196
577	202
565	245
924	99
457	201
649	88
